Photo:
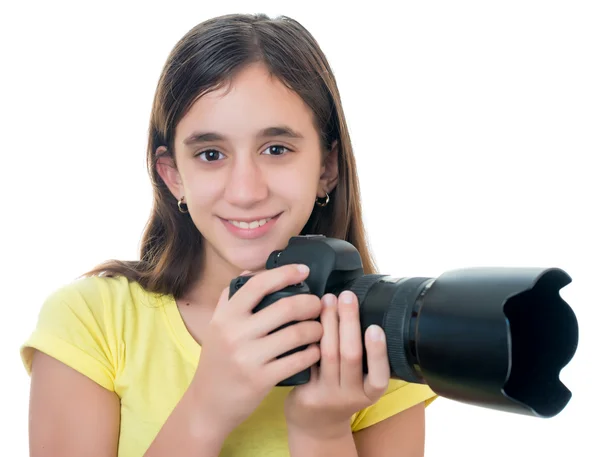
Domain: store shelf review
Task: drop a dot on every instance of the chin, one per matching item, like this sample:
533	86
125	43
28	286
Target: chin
250	258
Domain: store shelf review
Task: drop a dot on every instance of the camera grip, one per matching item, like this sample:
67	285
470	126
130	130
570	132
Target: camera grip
302	288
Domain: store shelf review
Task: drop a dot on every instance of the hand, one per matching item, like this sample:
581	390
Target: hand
338	388
238	365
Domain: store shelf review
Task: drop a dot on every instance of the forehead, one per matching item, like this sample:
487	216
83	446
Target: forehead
252	101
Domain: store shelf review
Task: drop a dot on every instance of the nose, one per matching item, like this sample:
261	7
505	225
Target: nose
246	185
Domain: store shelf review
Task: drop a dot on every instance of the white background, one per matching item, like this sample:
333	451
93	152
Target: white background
476	128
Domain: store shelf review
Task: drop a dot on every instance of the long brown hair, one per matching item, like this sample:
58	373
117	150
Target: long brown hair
207	57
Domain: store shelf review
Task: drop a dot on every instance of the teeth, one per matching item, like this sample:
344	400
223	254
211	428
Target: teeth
250	225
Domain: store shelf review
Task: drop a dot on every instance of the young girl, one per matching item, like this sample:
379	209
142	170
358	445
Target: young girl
248	146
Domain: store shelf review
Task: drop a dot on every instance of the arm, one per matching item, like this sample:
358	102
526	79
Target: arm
72	415
308	446
69	414
188	430
401	435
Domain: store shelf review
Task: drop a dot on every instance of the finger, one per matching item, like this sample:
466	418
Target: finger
378	378
287	339
329	369
284	311
280	369
351	353
223	299
267	282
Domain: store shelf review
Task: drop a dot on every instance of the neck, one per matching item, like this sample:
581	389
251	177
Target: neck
215	275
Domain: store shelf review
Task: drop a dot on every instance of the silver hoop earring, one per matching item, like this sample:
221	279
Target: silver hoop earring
322	201
182	206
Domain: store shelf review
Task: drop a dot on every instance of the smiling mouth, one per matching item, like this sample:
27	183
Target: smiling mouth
251	224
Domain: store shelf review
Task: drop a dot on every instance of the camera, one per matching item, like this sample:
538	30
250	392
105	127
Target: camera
495	337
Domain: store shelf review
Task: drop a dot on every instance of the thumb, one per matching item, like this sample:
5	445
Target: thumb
224	297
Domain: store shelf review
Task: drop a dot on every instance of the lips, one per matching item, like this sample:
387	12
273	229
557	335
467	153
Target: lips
250	228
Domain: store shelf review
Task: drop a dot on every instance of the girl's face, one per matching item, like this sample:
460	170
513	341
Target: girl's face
250	166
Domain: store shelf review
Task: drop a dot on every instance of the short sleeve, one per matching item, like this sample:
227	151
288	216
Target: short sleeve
72	328
399	396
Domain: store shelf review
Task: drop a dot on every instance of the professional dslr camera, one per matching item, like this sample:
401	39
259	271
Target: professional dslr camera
494	337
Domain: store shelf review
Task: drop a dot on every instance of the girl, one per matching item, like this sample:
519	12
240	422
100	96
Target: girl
248	146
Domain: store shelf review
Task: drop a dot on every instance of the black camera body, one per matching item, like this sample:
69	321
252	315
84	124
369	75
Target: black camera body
495	337
333	264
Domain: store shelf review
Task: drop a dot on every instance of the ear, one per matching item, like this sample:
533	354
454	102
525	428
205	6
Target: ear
329	171
166	168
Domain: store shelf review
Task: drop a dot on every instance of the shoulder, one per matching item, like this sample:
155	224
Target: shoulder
86	298
80	323
101	296
91	289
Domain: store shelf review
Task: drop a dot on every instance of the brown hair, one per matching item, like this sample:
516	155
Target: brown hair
207	57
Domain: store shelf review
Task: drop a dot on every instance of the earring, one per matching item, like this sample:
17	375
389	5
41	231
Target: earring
182	206
322	201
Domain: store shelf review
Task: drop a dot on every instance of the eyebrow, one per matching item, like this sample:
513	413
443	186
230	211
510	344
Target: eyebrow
269	132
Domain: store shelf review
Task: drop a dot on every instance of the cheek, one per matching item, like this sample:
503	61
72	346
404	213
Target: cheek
298	184
202	191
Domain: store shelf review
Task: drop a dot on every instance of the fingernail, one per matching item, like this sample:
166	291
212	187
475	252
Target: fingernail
302	268
375	333
328	299
346	297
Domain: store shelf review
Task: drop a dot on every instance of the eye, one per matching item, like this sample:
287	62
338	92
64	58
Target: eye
276	150
209	156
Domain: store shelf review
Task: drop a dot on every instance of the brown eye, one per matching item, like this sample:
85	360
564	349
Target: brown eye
276	150
210	155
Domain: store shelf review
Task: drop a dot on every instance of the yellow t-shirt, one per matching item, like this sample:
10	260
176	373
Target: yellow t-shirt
136	344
